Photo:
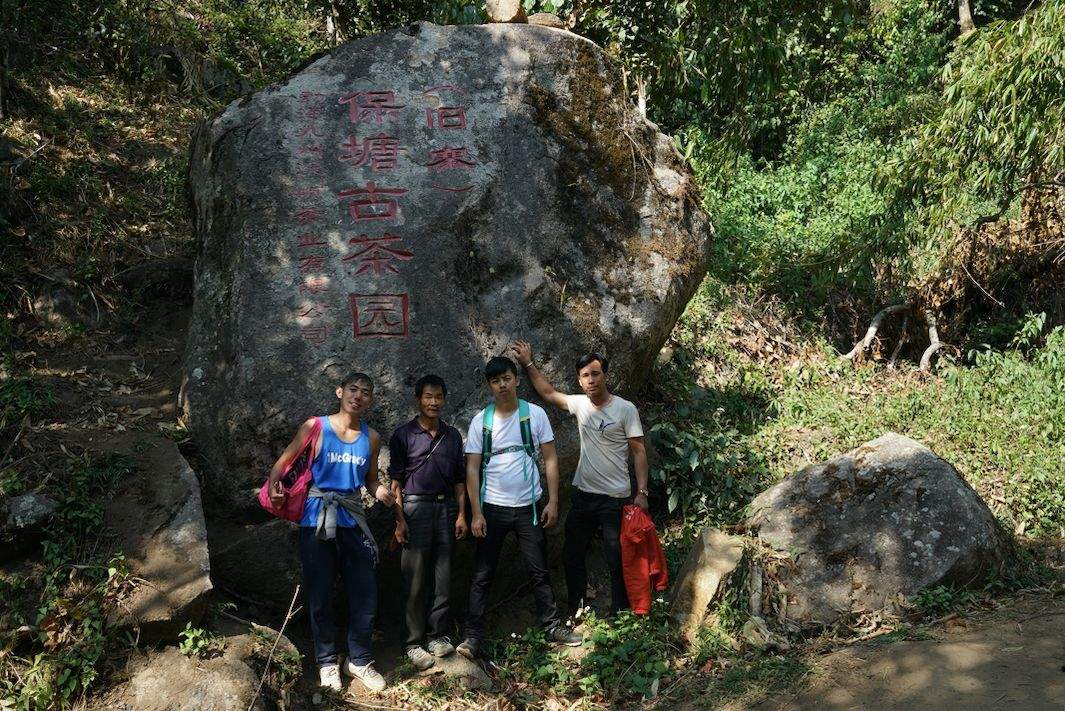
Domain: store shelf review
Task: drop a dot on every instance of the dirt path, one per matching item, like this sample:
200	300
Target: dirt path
1012	658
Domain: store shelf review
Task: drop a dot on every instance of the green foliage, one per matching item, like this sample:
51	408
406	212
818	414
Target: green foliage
71	596
941	599
1001	125
628	656
806	220
22	398
199	642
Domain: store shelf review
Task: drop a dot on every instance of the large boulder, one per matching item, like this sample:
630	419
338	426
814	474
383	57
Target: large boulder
885	519
410	203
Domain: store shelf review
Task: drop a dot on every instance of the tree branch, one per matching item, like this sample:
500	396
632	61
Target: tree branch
863	345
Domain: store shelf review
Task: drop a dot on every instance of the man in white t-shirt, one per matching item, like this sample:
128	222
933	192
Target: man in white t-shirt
610	430
509	499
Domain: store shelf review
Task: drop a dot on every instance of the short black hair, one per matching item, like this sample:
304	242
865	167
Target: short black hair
497	366
356	377
590	358
429	380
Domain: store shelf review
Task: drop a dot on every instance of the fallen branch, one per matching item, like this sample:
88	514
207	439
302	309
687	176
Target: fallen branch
874	325
903	337
934	344
270	657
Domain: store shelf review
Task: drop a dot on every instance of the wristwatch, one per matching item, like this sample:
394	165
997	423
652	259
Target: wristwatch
645	492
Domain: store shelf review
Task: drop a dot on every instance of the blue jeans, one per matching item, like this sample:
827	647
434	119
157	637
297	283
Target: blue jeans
349	555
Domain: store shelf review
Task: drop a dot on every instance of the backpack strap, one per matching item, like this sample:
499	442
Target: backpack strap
487	421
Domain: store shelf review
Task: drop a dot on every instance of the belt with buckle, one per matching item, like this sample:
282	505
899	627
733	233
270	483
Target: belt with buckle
415	498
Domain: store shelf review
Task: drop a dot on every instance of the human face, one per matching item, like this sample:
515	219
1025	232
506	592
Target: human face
355	398
592	380
431	402
504	387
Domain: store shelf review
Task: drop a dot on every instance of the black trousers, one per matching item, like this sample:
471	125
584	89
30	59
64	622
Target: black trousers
532	543
590	513
426	567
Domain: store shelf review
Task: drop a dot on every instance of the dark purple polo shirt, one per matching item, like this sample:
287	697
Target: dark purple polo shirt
408	448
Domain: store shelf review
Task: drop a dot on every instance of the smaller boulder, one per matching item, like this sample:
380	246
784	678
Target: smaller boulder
886	519
158	519
470	673
228	677
24	522
546	19
710	561
505	11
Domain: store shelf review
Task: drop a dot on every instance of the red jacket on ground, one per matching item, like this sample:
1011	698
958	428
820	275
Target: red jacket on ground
642	560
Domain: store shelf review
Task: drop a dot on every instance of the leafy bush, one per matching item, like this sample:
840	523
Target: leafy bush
71	596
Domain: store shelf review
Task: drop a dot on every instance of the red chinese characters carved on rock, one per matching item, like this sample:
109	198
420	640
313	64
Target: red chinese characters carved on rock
449	158
314	285
380	315
315	334
376	254
446	117
376	106
312	106
310	240
311	263
375	204
379	151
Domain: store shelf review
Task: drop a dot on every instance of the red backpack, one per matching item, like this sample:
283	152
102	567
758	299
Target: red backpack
295	481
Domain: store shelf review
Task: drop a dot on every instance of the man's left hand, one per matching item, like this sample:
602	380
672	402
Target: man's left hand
641	501
460	528
550	515
385	496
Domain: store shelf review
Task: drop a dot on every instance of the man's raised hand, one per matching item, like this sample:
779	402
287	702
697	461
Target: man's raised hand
522	351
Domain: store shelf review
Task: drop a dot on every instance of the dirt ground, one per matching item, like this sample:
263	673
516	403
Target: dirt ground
1012	658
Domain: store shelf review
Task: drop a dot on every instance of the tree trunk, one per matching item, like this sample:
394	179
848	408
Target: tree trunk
965	17
641	95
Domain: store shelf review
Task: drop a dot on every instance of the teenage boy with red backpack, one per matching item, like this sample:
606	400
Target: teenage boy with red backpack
334	536
503	482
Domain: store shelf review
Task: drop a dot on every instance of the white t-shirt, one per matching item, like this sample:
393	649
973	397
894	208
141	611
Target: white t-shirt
508	484
604	464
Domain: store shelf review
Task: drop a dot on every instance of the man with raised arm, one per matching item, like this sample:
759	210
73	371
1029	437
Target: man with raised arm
610	430
503	483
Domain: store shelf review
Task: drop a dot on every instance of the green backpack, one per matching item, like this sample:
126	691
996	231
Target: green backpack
527	446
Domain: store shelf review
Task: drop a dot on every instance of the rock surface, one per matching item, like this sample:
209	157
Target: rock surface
712	559
546	19
224	681
471	674
889	517
515	193
158	520
24	519
504	11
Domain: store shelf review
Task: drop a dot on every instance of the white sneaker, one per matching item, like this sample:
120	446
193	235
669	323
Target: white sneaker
421	659
329	677
369	676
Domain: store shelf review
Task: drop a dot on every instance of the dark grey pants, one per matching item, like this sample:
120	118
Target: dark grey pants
426	567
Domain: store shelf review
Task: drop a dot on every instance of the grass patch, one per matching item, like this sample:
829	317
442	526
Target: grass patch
731	418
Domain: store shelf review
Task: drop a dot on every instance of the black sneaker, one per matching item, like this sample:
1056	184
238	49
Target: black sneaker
469	648
561	634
